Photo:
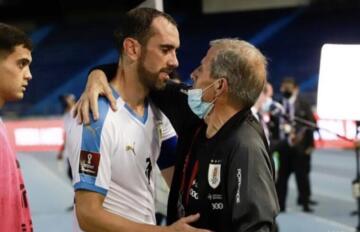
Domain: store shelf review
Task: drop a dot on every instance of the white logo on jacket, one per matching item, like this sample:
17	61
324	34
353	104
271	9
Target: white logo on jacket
217	206
214	175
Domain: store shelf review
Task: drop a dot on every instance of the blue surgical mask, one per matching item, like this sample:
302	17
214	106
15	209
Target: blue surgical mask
197	105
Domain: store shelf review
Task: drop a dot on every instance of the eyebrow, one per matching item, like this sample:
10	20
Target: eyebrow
168	46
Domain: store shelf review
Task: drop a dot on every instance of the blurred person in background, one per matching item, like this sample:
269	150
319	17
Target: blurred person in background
113	158
15	59
68	101
295	146
223	169
261	108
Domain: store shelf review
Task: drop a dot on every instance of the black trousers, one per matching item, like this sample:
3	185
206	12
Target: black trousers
293	160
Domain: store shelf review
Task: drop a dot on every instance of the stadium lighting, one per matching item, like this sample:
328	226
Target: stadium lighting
339	82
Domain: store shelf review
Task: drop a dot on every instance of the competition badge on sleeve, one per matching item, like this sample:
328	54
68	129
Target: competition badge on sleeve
89	163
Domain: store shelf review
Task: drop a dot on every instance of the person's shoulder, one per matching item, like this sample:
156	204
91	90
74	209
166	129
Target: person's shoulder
104	106
247	135
96	126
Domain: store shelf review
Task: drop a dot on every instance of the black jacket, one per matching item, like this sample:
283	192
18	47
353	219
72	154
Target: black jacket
240	195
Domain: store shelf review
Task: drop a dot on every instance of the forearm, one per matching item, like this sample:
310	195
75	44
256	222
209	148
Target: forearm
95	220
108	69
92	216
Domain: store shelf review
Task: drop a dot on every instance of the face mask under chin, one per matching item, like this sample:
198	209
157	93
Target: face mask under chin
197	105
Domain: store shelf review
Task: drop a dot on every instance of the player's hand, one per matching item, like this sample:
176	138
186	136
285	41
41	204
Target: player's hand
182	225
97	85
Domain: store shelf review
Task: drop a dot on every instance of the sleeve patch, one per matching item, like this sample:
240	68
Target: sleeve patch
89	163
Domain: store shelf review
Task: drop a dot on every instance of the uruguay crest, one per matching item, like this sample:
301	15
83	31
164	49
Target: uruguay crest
214	175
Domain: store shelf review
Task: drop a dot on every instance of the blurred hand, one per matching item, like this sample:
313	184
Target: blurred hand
182	225
97	85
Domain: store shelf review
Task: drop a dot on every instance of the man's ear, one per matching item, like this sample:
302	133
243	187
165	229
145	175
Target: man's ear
221	86
132	48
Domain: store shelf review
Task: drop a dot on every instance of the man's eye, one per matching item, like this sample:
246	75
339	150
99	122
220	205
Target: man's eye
165	50
22	64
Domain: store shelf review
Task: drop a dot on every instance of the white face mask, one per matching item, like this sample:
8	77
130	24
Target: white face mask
266	105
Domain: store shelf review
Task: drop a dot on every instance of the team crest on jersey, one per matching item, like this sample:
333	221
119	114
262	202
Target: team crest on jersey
214	175
89	163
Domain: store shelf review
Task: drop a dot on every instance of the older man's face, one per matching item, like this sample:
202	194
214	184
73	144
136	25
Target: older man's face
201	75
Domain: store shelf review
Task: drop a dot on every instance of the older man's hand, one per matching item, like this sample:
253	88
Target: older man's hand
97	85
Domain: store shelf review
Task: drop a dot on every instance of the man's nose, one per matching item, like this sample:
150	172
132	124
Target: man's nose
173	62
28	75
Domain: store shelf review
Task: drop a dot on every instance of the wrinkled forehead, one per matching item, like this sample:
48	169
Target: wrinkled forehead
210	55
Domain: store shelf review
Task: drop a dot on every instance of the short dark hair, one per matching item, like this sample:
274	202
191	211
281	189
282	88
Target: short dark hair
136	23
10	37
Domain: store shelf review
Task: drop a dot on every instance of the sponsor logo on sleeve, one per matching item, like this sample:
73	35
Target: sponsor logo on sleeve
89	163
238	177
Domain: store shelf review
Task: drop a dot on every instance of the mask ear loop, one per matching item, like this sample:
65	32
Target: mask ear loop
208	87
215	98
184	91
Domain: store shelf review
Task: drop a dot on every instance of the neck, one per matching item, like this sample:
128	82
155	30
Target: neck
131	90
221	113
257	106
